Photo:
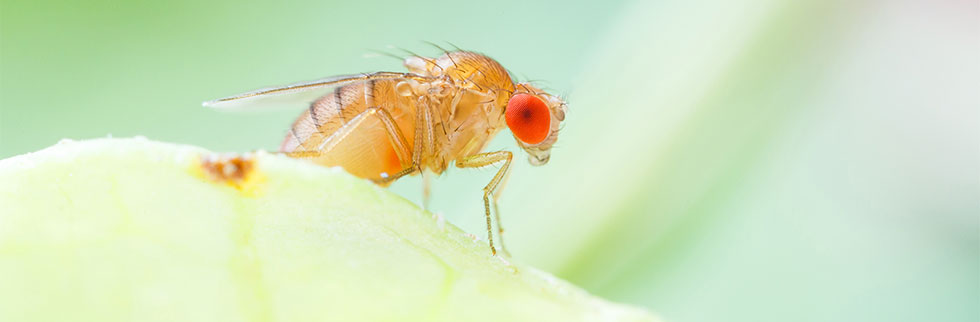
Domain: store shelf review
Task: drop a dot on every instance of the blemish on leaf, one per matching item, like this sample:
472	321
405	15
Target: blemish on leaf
236	171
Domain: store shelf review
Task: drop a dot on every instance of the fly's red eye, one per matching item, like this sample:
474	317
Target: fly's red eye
528	118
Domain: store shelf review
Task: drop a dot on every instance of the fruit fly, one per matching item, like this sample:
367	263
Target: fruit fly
385	125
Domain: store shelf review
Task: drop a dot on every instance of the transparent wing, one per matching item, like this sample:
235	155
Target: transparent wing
299	93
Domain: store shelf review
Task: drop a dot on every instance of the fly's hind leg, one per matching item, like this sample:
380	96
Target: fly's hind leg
423	141
482	160
395	136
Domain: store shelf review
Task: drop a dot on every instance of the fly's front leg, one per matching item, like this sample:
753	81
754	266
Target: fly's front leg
482	160
496	212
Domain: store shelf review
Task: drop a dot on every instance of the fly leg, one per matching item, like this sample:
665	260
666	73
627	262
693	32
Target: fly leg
426	189
496	213
482	160
424	120
395	136
423	141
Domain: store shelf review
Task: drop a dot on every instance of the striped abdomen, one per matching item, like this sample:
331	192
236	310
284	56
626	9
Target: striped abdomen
367	151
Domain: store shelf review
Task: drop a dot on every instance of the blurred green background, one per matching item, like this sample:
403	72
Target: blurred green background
755	160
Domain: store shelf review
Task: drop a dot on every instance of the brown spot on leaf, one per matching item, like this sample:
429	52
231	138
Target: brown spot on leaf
237	171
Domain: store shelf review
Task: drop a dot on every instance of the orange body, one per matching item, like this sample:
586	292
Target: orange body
467	96
385	125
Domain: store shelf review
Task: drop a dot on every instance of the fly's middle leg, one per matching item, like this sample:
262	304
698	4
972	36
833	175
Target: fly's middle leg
426	189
